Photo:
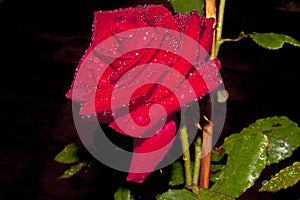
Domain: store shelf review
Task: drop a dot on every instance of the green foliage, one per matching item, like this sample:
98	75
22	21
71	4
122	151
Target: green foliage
262	143
183	6
182	194
283	135
206	194
247	155
73	170
177	174
68	154
216	171
285	178
273	41
217	156
123	194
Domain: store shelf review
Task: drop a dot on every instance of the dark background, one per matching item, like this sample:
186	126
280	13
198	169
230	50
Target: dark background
41	44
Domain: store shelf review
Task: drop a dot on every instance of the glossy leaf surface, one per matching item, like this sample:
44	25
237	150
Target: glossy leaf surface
247	157
283	135
285	178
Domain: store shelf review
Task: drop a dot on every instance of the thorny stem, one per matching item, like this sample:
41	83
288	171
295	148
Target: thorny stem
206	153
197	161
186	153
207	132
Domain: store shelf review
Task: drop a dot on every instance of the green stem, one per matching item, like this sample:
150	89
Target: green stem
197	161
219	26
186	153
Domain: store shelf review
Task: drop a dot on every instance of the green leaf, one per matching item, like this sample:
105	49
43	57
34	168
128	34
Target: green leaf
216	171
183	6
215	176
246	160
217	167
206	194
182	194
285	178
68	154
73	170
273	41
122	194
177	174
217	156
283	135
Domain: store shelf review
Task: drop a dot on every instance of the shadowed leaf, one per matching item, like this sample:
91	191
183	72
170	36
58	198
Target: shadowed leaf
68	154
177	174
122	194
73	170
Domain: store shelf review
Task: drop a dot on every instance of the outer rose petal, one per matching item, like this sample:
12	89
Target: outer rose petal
206	35
158	145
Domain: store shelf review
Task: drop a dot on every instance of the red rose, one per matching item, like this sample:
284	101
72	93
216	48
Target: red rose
99	74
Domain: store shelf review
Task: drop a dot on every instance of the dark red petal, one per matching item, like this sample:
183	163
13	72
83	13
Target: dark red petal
181	21
206	35
149	152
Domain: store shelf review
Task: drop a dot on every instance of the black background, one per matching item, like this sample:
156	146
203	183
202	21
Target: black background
41	44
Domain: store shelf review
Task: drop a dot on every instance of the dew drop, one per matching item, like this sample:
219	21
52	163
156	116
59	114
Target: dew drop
96	60
85	116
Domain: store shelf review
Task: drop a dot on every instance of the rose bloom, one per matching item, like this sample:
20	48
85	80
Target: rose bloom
97	78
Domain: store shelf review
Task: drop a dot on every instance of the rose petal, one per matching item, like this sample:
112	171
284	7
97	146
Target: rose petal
119	20
149	152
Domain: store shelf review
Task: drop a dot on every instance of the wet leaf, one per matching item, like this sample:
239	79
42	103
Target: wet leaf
182	194
246	160
183	6
123	194
68	154
273	41
73	170
283	135
177	174
285	178
206	194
